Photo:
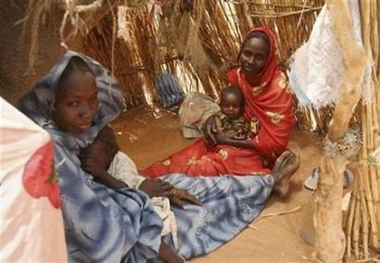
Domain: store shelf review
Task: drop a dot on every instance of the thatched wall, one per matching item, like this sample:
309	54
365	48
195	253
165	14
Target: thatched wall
207	40
196	46
15	44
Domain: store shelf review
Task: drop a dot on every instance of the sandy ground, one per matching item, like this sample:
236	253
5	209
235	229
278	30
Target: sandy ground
270	238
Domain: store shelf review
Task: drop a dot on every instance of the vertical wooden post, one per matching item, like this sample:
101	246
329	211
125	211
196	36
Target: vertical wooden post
330	239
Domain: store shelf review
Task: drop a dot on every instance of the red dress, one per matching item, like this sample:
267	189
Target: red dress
268	99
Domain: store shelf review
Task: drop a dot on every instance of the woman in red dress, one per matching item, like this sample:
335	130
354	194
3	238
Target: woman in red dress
268	108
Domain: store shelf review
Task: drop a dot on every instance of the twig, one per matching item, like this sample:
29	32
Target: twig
277	214
368	259
253	227
276	14
114	24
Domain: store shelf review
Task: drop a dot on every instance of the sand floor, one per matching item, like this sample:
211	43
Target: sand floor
150	134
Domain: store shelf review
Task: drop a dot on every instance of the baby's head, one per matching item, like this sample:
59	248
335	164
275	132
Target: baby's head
103	148
232	101
76	98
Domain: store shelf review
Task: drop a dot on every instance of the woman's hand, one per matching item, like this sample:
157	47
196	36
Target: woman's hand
179	196
209	130
221	138
155	187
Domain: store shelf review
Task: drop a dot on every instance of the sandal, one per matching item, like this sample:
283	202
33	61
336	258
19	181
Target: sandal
312	181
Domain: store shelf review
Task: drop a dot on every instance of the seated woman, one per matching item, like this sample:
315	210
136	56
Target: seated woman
65	103
73	102
202	159
268	107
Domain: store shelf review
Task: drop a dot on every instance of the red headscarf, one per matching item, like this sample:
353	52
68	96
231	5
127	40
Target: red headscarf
271	64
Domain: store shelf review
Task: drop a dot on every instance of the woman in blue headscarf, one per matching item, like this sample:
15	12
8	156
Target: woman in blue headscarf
73	102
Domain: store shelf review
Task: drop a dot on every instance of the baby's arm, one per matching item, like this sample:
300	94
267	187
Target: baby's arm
91	166
110	181
125	170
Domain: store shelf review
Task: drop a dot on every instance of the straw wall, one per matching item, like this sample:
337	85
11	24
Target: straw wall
197	46
363	221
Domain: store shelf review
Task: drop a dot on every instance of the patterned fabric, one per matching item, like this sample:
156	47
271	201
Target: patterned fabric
200	160
230	203
237	129
268	99
120	225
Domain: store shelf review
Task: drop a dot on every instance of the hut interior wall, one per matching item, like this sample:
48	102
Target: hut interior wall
197	46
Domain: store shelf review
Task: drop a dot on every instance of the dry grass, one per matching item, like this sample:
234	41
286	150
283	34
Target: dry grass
206	39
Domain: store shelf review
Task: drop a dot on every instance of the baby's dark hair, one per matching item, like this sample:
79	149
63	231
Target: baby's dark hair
254	34
75	64
107	137
233	89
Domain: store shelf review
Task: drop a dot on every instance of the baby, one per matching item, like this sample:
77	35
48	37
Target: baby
230	119
111	167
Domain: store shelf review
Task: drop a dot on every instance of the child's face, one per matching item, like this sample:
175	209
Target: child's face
230	105
101	152
76	102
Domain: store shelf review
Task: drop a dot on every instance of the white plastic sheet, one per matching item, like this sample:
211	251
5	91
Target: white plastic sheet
32	225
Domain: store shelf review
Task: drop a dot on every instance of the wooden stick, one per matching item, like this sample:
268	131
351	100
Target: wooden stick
330	240
350	223
374	182
357	223
365	218
369	173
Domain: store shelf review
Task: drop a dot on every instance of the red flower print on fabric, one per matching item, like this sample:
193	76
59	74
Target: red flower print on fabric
40	178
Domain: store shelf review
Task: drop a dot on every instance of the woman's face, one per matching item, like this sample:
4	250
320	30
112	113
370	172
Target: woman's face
76	102
253	56
230	105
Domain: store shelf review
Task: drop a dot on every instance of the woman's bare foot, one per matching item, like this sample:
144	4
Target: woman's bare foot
285	166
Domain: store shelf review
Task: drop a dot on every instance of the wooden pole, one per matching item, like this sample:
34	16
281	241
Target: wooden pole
330	239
